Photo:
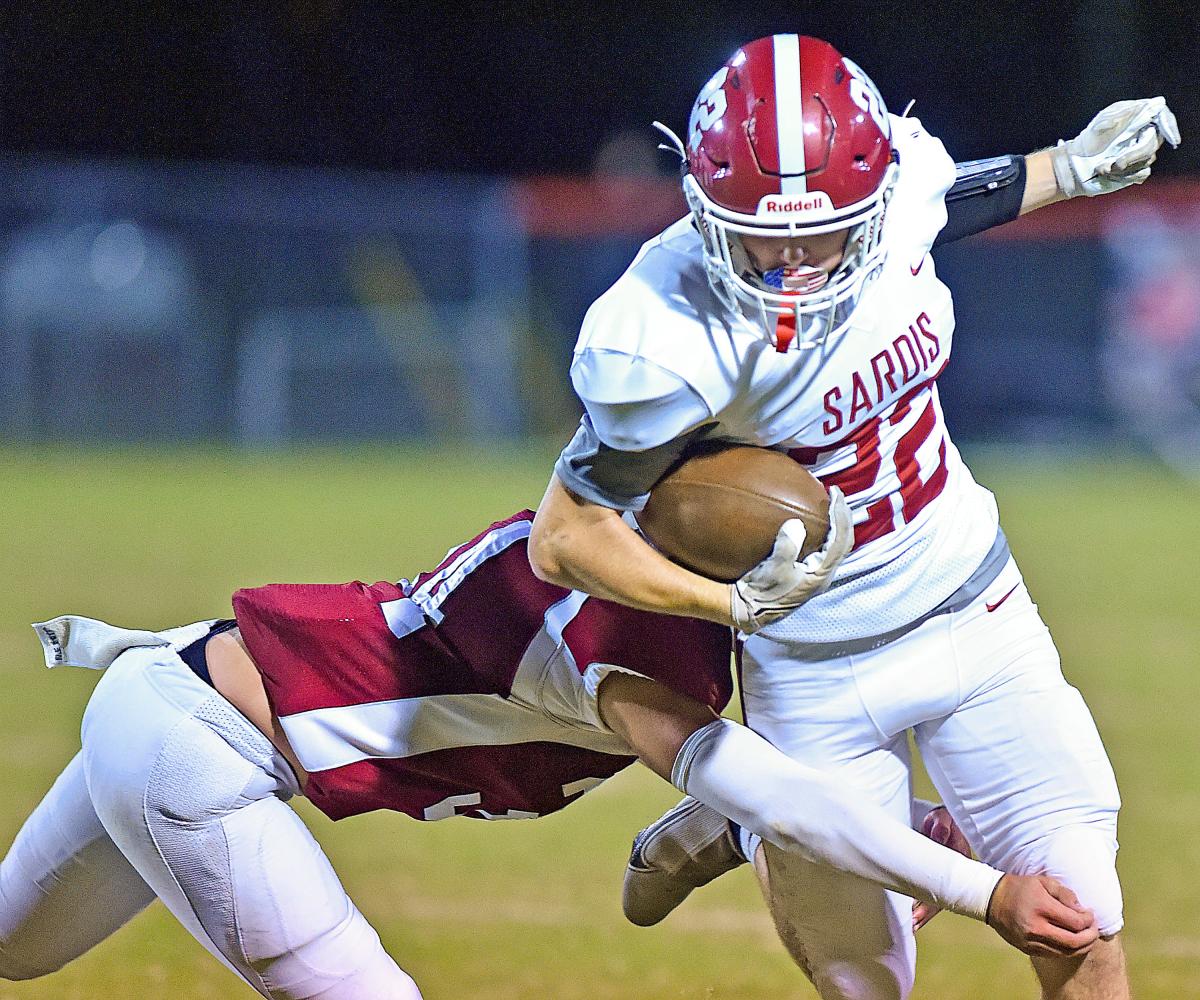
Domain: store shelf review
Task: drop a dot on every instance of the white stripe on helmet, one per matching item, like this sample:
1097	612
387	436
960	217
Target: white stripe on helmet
789	121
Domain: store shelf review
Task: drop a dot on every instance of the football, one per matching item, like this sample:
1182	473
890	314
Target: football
718	511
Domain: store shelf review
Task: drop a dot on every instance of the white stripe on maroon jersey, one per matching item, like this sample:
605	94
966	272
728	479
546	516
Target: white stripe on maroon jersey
539	660
430	595
789	117
326	738
403	616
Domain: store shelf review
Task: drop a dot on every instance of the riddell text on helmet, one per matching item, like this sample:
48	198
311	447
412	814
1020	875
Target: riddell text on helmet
818	201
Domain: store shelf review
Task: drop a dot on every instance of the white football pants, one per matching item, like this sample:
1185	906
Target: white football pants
176	795
1010	746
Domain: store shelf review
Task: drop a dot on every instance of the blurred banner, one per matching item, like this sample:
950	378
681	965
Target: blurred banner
264	305
1151	350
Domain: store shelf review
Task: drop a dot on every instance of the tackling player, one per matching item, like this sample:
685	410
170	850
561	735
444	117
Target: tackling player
474	690
797	308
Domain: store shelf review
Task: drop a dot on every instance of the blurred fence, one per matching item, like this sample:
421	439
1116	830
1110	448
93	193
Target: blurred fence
264	305
192	301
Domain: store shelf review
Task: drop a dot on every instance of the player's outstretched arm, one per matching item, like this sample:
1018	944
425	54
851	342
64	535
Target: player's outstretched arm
798	808
1116	150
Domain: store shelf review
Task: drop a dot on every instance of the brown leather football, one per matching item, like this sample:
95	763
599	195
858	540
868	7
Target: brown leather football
718	512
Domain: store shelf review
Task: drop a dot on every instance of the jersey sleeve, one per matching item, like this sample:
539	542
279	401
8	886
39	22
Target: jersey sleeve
634	403
917	211
639	419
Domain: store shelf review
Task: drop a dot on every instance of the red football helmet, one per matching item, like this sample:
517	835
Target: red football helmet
787	139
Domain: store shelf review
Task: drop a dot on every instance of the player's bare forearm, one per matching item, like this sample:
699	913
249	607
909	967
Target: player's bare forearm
578	544
652	719
1115	150
1041	187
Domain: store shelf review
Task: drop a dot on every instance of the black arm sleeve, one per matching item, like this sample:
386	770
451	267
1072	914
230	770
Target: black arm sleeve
618	479
985	193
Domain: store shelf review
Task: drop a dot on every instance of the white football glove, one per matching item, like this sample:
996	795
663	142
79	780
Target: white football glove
783	581
1116	149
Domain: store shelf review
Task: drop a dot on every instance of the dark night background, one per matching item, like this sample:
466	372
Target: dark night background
509	88
176	141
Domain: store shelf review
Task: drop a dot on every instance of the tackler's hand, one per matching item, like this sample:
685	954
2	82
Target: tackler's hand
1116	149
1041	916
783	581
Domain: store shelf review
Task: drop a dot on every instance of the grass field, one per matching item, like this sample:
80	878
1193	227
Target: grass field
531	910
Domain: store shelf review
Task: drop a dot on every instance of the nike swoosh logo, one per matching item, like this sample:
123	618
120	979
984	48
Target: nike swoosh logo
993	607
917	270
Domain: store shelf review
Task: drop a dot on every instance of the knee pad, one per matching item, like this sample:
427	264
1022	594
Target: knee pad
1083	858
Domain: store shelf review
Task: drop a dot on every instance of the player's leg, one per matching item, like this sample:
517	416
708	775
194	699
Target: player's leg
851	938
779	915
193	795
1100	975
1024	773
854	938
872	955
64	885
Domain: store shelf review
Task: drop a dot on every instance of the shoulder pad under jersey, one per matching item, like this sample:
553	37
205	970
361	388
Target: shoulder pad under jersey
633	403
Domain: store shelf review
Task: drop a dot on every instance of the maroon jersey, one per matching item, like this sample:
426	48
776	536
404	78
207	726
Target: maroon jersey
470	691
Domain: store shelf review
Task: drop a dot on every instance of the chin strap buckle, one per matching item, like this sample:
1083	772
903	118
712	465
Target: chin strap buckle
785	332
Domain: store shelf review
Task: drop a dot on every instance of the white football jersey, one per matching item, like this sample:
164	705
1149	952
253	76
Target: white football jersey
660	355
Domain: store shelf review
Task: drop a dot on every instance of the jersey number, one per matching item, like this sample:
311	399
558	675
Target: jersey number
451	804
916	493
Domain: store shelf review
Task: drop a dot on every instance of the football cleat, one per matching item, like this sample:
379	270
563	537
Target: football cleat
689	846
